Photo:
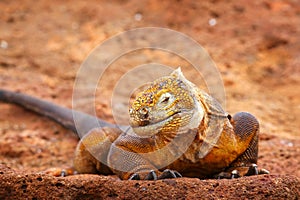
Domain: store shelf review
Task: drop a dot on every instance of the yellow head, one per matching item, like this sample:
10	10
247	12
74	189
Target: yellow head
167	105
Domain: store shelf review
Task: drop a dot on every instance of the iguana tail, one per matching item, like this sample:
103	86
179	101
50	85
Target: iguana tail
63	116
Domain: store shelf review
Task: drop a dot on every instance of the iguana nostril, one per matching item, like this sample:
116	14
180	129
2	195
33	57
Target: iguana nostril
144	112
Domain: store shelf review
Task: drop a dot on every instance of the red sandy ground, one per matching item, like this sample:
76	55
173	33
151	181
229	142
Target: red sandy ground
255	44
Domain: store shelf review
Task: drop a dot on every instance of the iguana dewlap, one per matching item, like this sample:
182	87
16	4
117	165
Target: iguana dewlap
176	129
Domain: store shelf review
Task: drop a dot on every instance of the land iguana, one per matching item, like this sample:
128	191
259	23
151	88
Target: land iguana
175	130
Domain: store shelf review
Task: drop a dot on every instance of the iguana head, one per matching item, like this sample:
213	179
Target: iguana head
168	104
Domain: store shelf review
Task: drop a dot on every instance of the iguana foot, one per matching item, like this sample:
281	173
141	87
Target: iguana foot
63	172
227	175
242	171
152	175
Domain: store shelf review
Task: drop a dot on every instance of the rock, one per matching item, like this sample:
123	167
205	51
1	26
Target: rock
20	185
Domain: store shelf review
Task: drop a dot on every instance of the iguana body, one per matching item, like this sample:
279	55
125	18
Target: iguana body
176	129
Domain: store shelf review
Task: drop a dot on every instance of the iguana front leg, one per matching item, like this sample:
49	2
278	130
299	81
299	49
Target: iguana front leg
107	150
92	151
246	129
128	159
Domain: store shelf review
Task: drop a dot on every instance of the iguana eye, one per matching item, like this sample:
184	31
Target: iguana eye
165	98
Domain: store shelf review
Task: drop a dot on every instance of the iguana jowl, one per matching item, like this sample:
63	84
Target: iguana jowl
176	130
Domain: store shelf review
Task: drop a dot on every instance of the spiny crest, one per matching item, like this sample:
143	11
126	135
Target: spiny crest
177	73
179	76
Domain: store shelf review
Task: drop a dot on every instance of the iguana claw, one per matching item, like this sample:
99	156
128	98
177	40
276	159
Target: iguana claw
235	174
263	171
252	170
167	173
135	177
151	176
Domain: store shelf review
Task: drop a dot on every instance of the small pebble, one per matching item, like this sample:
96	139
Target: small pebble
138	16
3	44
212	22
287	143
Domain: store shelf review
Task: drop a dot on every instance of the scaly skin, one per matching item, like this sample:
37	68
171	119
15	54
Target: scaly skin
176	129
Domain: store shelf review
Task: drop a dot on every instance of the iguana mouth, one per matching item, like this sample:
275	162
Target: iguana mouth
149	123
154	127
